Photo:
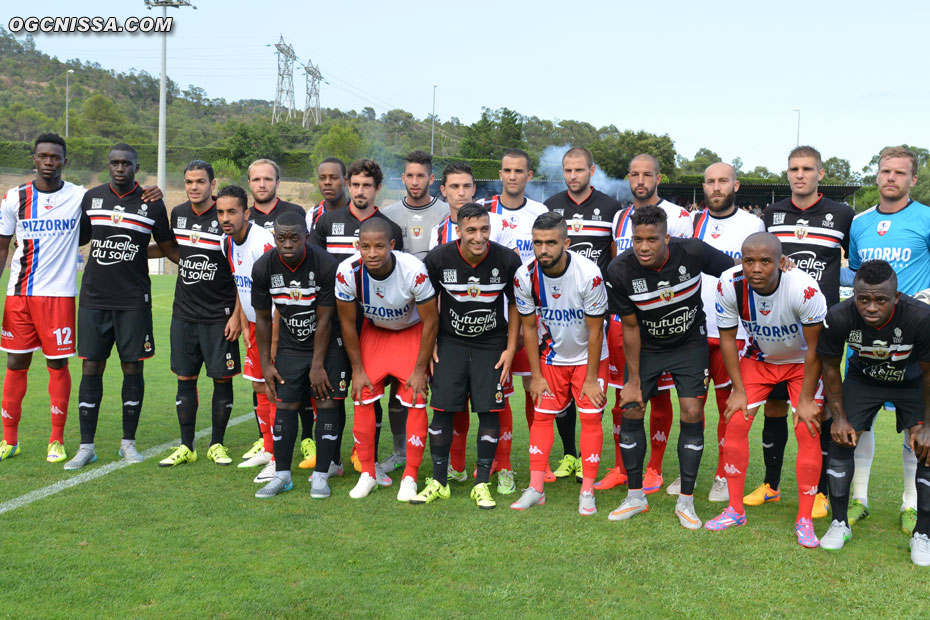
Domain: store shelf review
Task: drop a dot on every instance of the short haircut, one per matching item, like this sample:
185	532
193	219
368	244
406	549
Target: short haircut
651	215
289	219
368	168
122	146
377	225
419	157
50	138
551	221
236	192
457	167
471	209
273	164
806	151
652	160
579	151
199	164
876	272
337	161
519	153
763	238
899	151
732	170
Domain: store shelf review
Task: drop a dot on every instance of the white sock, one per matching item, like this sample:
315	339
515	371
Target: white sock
865	452
909	463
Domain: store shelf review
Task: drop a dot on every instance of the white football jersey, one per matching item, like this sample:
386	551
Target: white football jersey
47	226
773	322
727	235
447	231
679	224
241	258
519	221
390	303
562	304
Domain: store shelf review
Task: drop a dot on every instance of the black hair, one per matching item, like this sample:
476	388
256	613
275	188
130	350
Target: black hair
419	157
337	161
471	209
651	215
457	167
876	272
199	164
368	168
377	225
289	219
122	146
236	192
518	153
50	138
763	238
551	221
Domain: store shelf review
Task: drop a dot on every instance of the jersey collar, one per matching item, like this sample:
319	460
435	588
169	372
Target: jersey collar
819	198
118	195
276	201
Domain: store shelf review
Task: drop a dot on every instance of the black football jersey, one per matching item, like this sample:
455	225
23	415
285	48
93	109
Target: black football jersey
336	231
266	220
589	224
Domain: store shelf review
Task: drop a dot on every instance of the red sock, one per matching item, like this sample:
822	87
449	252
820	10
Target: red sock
660	425
590	442
736	458
807	469
722	395
459	437
263	410
363	430
14	390
617	415
541	436
416	440
505	443
59	391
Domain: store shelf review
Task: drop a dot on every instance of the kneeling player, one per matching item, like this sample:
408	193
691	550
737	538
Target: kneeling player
397	340
889	341
782	314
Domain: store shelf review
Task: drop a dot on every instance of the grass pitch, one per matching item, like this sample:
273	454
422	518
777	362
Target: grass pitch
192	541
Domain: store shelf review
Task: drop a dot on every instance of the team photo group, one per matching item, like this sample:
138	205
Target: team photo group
438	302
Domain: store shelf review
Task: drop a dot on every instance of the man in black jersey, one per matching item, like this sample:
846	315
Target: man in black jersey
116	297
298	280
331	181
205	321
889	339
475	347
814	233
655	288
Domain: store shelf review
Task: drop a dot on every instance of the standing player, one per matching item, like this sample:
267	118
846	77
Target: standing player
814	232
297	279
897	230
561	297
475	346
655	288
205	322
398	306
782	313
644	178
116	297
331	181
889	336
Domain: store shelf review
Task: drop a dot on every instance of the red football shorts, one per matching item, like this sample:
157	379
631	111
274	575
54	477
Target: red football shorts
390	353
32	323
718	371
760	377
252	367
565	383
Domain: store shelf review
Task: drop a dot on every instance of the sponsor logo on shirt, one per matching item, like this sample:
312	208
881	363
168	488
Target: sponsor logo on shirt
883	227
339	228
639	285
96	203
113	249
277	280
450	275
778	218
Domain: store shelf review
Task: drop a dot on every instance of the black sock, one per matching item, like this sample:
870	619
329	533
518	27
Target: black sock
133	393
285	436
90	393
565	422
440	441
633	450
774	441
255	411
397	414
327	437
489	430
221	409
824	486
378	415
306	418
841	464
923	500
690	450
341	407
187	410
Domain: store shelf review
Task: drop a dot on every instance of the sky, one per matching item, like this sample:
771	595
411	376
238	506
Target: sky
721	75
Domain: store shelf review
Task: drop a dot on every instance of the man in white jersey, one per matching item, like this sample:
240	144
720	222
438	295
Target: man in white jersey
782	313
398	303
243	243
563	293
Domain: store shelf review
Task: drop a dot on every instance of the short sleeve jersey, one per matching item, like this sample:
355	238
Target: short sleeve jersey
667	300
116	276
890	353
446	232
562	303
296	294
727	235
241	259
266	219
390	302
814	238
205	291
471	297
901	239
679	224
314	214
47	229
589	223
416	223
519	221
337	232
773	322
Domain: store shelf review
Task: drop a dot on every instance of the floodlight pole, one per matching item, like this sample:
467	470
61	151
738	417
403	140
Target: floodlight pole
432	128
798	140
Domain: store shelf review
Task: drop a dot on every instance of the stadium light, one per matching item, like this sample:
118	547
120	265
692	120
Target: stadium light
432	128
67	97
798	140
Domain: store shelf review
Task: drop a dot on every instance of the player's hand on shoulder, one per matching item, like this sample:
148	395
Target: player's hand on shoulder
786	263
152	193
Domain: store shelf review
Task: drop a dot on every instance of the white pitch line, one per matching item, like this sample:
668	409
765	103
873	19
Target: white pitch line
93	474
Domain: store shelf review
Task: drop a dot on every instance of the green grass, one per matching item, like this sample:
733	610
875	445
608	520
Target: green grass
146	542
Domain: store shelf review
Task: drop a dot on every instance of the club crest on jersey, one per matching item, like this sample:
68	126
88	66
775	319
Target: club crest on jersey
778	218
640	286
148	345
716	231
339	228
417	231
474	286
117	216
556	291
765	306
883	227
295	292
800	229
355	244
230	363
238	257
195	233
450	275
577	224
96	203
666	293
379	291
342	385
880	349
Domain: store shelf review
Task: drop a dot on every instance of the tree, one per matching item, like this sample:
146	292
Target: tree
342	140
510	129
102	117
613	152
18	122
737	164
702	158
478	142
761	172
839	172
921	191
249	142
